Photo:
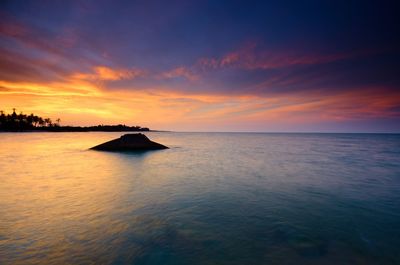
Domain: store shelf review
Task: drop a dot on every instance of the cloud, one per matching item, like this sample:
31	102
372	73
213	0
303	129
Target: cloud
62	75
55	89
15	66
80	101
252	57
109	74
40	39
64	45
106	73
180	72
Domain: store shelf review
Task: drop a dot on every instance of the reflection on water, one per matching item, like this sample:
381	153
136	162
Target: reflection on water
213	198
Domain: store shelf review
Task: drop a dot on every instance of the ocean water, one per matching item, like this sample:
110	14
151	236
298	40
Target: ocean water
212	198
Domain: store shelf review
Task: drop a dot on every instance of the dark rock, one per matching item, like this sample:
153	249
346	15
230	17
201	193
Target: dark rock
130	142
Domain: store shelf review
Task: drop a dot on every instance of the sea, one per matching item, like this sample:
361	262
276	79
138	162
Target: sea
212	198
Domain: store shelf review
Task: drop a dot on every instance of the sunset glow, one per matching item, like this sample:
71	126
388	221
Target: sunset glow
174	71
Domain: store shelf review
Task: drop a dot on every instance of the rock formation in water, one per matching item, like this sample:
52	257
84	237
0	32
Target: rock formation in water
130	142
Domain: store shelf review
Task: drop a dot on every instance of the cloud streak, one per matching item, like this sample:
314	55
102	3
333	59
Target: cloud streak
109	74
249	57
180	72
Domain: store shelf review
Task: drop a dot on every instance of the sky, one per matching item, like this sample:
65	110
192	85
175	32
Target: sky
262	66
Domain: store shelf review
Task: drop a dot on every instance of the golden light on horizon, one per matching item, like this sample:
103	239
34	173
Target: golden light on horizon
81	102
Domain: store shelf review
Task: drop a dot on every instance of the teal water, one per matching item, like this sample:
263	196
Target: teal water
213	198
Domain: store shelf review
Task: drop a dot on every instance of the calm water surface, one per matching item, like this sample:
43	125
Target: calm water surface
213	198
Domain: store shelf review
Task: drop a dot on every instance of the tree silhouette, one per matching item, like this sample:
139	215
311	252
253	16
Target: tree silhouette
23	122
47	122
20	122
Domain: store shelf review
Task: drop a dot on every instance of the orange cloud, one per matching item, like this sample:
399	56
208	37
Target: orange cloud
109	74
180	72
81	102
82	98
106	73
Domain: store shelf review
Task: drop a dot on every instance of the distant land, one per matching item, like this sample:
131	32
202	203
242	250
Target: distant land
25	123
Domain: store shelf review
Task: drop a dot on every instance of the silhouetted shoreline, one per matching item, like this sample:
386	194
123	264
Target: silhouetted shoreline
32	123
98	128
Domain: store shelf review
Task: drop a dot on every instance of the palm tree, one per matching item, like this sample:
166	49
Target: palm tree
30	120
14	115
47	122
41	121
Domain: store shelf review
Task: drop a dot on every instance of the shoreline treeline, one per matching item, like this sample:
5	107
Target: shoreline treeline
21	122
